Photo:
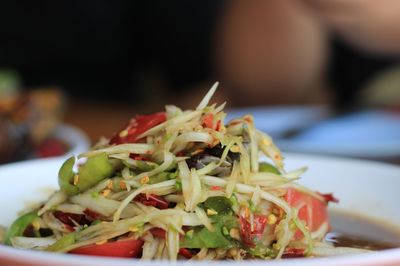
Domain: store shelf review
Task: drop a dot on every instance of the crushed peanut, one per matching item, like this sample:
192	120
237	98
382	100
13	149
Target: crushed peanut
110	184
235	148
76	180
272	219
123	133
144	180
234	233
122	184
105	192
101	242
134	229
211	212
266	142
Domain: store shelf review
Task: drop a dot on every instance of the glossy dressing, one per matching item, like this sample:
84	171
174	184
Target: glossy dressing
349	230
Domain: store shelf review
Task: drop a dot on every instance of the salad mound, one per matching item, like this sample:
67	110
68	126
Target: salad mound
180	184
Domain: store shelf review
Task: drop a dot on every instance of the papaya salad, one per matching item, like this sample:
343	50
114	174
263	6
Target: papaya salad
180	184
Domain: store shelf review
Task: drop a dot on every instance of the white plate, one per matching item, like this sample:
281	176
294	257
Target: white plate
362	186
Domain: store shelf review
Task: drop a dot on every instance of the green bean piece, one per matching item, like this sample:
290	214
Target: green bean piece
18	226
220	204
95	169
268	168
160	177
61	243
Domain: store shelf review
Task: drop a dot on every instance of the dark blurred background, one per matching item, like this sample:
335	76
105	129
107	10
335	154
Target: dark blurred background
125	51
108	50
108	60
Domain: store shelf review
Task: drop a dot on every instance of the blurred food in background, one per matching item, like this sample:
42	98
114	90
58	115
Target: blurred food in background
28	120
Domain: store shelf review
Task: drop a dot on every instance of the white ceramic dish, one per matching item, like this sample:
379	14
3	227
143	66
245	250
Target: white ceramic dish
362	186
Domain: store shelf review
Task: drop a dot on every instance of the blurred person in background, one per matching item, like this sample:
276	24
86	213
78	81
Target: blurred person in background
278	52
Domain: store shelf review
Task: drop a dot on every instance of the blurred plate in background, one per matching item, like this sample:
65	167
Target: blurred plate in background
371	134
75	138
280	120
366	134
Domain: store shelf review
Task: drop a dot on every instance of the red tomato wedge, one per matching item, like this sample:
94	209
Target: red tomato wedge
138	125
294	253
126	248
251	237
208	121
311	210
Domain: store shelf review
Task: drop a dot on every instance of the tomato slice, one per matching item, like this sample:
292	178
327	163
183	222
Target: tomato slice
125	248
294	253
311	210
208	121
158	232
138	125
251	237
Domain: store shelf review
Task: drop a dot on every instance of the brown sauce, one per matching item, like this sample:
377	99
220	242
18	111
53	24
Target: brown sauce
349	230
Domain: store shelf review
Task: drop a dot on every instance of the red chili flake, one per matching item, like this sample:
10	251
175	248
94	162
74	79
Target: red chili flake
219	125
152	200
138	157
185	253
91	214
158	232
328	197
216	188
71	219
69	228
29	231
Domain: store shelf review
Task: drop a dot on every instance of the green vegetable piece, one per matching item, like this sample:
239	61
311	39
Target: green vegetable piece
62	243
225	231
18	226
189	234
163	176
95	169
269	168
144	166
220	204
203	238
178	185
